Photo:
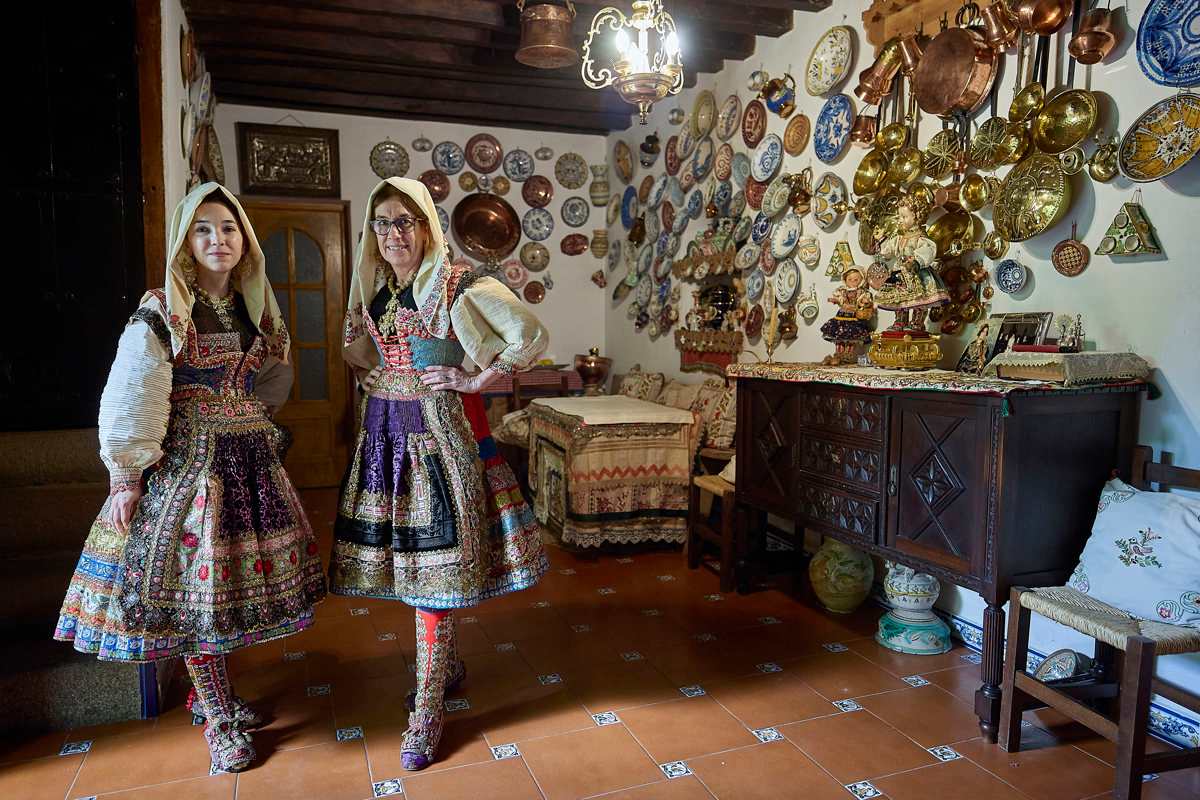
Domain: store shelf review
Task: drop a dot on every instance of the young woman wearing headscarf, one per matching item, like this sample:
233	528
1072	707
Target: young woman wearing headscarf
202	546
430	514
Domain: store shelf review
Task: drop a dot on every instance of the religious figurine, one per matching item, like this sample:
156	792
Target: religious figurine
1070	333
849	328
974	358
911	288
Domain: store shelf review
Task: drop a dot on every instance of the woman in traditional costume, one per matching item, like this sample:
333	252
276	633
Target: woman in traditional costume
914	286
202	546
429	513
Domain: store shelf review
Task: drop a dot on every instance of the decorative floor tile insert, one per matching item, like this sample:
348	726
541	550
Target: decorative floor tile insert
458	704
349	734
468	620
581	628
632	655
387	788
666	578
944	752
320	690
1149	776
915	681
566	571
835	647
387	637
863	790
294	655
552	678
75	748
502	751
692	691
770	620
714	598
847	705
505	647
768	667
765	735
93	797
359	612
606	590
606	718
705	637
675	769
972	658
625	560
651	612
541	604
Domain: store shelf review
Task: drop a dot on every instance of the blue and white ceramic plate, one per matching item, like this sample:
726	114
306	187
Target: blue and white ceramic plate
443	219
682	218
747	257
761	228
448	157
787	281
1168	42
660	244
775	198
575	211
614	254
785	235
1011	276
672	245
737	204
832	129
538	224
695	204
686	142
518	165
741	231
629	207
664	285
641	294
675	193
766	158
755	283
653	226
722	196
645	258
658	191
740	169
703	162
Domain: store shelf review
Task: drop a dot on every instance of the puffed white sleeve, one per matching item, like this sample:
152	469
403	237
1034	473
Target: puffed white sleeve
274	383
495	328
925	251
135	406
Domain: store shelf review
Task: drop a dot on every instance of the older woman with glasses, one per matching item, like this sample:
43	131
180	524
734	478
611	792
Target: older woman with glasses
429	513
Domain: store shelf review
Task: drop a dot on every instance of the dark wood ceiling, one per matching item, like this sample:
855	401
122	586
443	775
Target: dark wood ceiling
449	60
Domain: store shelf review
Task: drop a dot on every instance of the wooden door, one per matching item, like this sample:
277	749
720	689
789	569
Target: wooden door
938	481
305	245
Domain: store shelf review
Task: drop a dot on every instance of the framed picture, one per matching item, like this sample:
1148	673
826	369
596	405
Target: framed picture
1019	328
288	160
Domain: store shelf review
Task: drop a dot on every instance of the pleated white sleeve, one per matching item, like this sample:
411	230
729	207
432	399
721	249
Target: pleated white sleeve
273	383
135	406
496	329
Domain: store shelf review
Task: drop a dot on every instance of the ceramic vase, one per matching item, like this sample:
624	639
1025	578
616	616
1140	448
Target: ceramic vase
598	191
841	576
599	245
911	626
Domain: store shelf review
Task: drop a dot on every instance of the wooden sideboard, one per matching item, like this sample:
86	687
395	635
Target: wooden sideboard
982	490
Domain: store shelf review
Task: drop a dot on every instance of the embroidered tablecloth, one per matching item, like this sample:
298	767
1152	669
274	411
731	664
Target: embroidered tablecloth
611	469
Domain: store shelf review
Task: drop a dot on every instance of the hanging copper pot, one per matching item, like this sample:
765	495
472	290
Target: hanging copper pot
1041	17
955	73
875	82
1095	39
911	48
1000	29
546	41
862	132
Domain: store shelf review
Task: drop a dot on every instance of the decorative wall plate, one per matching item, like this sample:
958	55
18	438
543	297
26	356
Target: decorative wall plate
787	281
723	162
422	145
737	204
942	153
681	221
187	56
515	274
203	98
695	204
575	211
518	165
536	257
468	181
660	270
448	157
534	292
484	183
687	177
675	193
829	61
437	183
538	224
614	254
767	158
1033	197
808	251
1162	139
500	185
728	117
537	191
747	257
755	282
667	211
832	130
1010	276
652	226
741	231
484	153
761	228
754	123
644	189
1168	42
614	209
645	259
671	158
573	244
766	261
702	161
214	161
686	142
740	169
571	170
622	161
543	153
775	199
676	115
796	135
754	193
658	191
754	321
704	114
829	192
443	219
722	197
629	207
785	235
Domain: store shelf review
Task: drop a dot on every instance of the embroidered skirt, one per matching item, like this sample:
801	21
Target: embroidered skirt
219	553
845	328
430	513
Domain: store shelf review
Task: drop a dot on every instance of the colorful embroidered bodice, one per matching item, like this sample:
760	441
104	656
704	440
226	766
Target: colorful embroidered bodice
411	348
215	367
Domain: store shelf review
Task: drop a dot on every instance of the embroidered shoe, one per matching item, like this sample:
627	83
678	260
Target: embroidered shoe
420	741
229	746
244	716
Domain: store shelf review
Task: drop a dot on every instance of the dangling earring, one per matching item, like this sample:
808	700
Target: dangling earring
187	265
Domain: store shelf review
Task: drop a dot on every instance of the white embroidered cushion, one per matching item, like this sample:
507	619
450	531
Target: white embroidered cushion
1144	554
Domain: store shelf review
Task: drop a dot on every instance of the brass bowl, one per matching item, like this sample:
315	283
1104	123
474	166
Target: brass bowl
871	172
1027	103
892	137
995	246
1034	196
949	229
1065	121
905	167
975	192
985	144
942	154
1015	143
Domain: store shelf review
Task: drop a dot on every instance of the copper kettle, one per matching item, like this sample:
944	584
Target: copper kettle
875	82
1000	29
1041	17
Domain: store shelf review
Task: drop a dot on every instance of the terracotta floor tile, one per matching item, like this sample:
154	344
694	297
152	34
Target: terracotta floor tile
521	623
1056	772
686	788
685	728
837	676
46	778
1160	789
856	746
588	762
903	664
952	779
700	662
462	744
143	759
962	682
930	715
23	748
216	787
507	779
297	721
761	701
621	684
110	729
534	712
329	771
767	771
250	658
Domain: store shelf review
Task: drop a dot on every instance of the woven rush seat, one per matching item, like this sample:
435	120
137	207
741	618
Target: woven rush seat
1110	625
714	484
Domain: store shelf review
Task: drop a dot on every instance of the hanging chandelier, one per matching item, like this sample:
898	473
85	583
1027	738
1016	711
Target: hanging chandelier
648	66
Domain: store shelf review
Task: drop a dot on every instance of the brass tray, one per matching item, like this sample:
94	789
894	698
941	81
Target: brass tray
1033	197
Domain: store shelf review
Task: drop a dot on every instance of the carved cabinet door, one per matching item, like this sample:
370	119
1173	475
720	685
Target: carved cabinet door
937	481
767	432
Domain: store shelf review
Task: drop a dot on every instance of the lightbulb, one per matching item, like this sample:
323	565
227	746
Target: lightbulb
622	41
672	44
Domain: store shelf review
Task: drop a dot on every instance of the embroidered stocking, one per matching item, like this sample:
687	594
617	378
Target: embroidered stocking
229	746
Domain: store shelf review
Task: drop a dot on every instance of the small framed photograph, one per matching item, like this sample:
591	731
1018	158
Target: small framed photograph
1029	327
288	160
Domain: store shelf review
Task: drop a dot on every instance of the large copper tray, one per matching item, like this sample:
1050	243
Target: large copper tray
486	226
955	73
1034	196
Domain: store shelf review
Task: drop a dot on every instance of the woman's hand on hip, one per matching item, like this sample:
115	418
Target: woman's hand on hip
120	510
450	379
370	378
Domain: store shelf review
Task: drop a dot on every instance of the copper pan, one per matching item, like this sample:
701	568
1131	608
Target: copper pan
955	73
1000	29
1095	39
1041	17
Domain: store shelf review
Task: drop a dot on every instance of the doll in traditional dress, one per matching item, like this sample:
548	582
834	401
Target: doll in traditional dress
974	358
849	328
912	286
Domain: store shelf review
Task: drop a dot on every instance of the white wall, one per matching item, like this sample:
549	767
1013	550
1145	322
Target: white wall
570	311
1145	304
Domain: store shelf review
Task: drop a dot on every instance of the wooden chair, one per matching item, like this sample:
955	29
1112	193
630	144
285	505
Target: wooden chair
701	531
1127	685
520	400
